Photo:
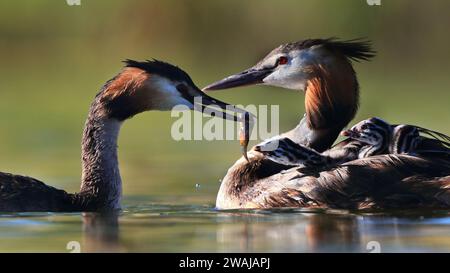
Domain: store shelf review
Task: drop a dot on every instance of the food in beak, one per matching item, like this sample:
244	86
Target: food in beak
246	119
245	132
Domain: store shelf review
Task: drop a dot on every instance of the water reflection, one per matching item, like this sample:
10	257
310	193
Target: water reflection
304	233
101	232
196	228
244	232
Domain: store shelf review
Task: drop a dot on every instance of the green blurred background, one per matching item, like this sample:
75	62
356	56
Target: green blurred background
55	57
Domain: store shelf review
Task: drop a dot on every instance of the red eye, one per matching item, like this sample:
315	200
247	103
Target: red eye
282	60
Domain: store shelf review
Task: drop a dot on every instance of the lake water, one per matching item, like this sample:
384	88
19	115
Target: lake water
161	227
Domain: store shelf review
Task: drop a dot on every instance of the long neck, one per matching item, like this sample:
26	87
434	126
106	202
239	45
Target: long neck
331	102
101	184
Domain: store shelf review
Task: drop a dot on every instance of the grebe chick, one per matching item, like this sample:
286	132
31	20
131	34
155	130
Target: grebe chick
367	138
290	153
397	139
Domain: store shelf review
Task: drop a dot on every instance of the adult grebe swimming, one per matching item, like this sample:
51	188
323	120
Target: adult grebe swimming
139	87
323	69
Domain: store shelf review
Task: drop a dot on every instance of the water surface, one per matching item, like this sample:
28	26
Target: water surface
180	227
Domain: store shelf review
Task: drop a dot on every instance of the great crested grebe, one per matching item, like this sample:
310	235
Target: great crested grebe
369	137
323	69
139	87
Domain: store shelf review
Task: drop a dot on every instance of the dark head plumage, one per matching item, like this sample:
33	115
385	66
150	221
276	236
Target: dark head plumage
356	49
162	69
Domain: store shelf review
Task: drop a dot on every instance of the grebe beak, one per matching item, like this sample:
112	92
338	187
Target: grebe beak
226	110
345	133
248	77
350	133
246	119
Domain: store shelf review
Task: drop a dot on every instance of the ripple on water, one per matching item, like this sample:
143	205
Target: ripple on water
193	227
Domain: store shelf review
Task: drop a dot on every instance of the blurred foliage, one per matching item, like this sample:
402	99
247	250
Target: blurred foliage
55	57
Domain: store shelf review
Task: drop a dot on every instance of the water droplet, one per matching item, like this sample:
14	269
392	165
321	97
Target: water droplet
197	186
